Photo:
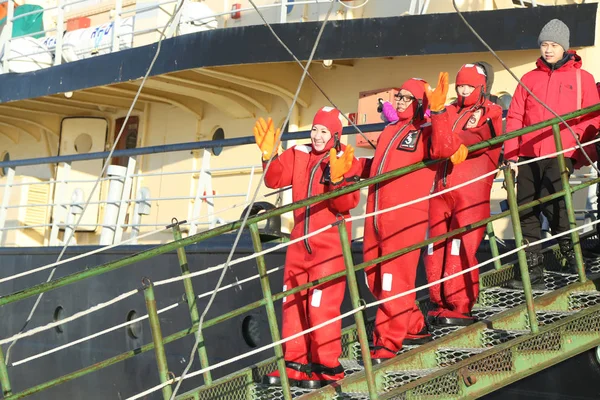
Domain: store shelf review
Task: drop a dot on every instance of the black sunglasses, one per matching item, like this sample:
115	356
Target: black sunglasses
406	99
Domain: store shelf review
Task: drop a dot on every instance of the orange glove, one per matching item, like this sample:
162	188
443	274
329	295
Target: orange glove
460	155
266	136
437	97
339	166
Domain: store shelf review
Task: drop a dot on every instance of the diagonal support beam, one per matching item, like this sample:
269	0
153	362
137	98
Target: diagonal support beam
184	104
233	93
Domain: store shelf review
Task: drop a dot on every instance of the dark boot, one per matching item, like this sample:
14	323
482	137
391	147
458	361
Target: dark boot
568	254
322	376
535	265
414	339
380	354
296	372
445	317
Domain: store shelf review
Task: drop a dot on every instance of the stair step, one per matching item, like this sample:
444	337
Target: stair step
549	341
446	356
505	298
499	362
351	366
356	353
483	313
592	263
395	379
351	396
579	300
555	280
549	317
266	392
441	331
495	337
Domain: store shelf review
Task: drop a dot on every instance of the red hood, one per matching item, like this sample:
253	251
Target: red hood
574	62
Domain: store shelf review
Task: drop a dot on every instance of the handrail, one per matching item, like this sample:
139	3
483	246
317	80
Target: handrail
268	298
277	296
171	246
186	146
244	140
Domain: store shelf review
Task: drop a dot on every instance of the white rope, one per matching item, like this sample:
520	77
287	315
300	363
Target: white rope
245	355
351	312
283	245
356	218
114	328
379	212
69	319
266	251
200	296
80	256
84	339
241	259
255	195
491	260
112	246
175	14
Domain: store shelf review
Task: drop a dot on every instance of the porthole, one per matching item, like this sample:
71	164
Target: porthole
58	315
83	143
5	157
219	134
250	331
504	101
134	330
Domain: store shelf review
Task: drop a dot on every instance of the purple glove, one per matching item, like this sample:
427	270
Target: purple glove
389	112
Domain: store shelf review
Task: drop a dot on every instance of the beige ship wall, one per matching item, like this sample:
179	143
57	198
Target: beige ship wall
165	124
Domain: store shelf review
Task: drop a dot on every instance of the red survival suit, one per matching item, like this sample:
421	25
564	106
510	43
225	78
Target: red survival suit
455	298
402	143
316	257
525	111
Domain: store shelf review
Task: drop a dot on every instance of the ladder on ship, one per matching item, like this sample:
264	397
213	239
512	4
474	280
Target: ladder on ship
462	362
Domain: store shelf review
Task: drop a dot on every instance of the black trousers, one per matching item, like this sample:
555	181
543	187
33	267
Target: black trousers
536	180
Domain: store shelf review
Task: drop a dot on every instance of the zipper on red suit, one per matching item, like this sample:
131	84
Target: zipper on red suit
445	173
380	168
307	212
546	112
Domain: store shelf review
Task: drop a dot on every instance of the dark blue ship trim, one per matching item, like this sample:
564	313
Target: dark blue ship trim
511	29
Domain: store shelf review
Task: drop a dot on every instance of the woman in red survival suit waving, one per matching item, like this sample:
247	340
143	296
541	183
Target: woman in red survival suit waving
312	359
401	143
471	119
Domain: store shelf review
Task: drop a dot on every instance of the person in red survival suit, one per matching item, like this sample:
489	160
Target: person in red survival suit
471	119
403	142
312	359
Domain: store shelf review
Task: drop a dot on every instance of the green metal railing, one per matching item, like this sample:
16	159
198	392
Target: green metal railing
268	298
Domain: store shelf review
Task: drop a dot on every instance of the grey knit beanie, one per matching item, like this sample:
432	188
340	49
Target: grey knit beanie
555	31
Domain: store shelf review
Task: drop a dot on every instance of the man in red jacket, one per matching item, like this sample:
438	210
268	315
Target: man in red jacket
558	81
401	143
470	120
312	359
